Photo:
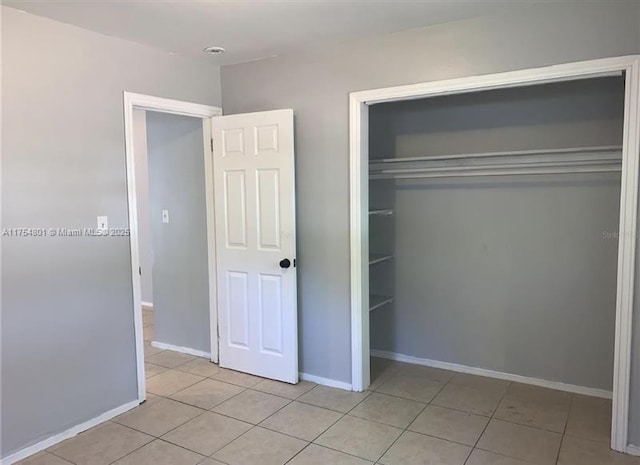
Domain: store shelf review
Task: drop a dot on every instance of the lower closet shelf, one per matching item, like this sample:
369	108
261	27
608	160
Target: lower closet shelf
378	258
377	301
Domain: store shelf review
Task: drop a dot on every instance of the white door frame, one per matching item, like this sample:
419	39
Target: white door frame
177	107
359	159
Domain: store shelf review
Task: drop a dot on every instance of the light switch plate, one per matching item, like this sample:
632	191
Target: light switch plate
165	216
103	222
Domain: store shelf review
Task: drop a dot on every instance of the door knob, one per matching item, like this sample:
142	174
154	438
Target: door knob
285	263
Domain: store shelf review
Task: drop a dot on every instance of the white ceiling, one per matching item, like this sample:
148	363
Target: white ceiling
254	30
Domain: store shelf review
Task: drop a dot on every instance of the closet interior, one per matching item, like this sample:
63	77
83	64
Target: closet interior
492	229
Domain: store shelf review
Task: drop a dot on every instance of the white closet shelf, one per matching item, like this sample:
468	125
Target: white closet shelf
557	161
382	212
378	258
377	301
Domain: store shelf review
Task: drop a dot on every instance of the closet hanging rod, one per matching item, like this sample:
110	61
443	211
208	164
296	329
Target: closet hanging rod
503	172
604	148
543	164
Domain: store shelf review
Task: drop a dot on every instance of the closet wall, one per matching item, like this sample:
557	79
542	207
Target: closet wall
515	274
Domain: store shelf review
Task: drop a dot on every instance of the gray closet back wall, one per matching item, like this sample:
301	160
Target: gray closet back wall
511	274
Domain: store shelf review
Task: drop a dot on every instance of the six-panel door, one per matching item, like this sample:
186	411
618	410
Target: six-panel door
253	162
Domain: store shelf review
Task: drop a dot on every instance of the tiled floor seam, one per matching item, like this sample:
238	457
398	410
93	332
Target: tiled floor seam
235	439
298	453
404	430
181	424
564	432
195	406
505	456
203	411
342	415
172	444
278	395
343	452
167	397
400	397
285	405
326	408
219	448
475	446
233	384
62	458
105	423
253	425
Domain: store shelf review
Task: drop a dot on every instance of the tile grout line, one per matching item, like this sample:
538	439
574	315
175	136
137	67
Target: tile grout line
159	439
407	427
155	438
60	457
564	432
258	425
252	426
343	415
475	446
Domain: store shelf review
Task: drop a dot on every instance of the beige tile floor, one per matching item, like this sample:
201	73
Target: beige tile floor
198	413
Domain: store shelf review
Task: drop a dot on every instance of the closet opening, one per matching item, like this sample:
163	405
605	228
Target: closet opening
495	228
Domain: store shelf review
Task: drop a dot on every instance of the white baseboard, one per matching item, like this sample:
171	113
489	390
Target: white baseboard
147	304
325	381
594	392
633	450
184	350
73	431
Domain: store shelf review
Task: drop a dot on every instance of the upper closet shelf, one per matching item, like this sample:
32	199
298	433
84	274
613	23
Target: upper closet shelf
526	162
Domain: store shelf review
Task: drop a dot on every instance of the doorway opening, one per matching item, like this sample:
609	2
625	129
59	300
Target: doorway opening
230	230
170	194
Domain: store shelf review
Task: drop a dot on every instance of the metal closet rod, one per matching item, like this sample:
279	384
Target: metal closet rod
604	148
540	164
448	173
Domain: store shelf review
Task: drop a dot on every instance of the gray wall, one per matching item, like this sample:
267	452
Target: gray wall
68	350
511	274
316	86
145	249
180	266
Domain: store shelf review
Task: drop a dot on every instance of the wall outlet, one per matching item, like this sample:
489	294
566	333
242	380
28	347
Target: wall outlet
165	216
103	222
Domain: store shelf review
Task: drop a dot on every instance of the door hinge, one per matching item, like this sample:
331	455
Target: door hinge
140	270
294	262
212	145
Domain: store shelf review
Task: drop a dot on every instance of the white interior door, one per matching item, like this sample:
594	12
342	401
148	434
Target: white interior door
255	243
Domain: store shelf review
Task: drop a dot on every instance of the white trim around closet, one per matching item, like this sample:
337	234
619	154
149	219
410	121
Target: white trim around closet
358	135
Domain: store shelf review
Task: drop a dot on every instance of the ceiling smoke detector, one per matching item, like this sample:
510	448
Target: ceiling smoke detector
213	50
